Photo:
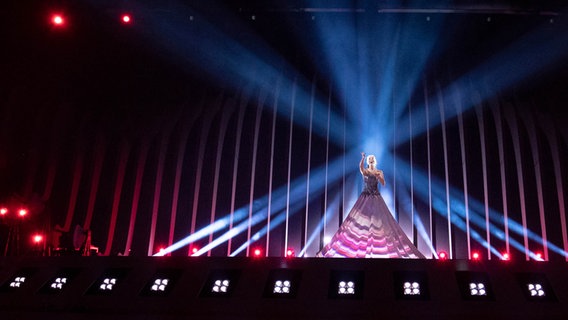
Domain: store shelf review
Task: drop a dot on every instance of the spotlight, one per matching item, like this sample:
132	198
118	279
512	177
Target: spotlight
474	285
290	253
475	255
442	255
346	287
60	281
536	290
161	283
282	283
57	20
22	212
346	284
3	211
18	280
411	285
220	283
506	256
107	282
282	287
411	288
539	256
257	252
536	287
477	289
126	19
221	286
38	238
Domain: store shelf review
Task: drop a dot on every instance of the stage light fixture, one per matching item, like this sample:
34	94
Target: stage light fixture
346	287
22	212
126	18
477	289
536	290
536	287
18	280
161	283
475	255
220	283
282	283
194	250
442	255
3	211
61	280
474	285
257	252
221	286
57	20
282	286
107	282
411	288
38	238
411	285
539	256
506	256
346	284
290	253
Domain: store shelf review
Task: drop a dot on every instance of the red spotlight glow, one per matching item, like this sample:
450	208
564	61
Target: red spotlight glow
22	212
38	238
3	211
126	18
476	256
538	256
161	250
442	255
57	20
257	252
290	253
506	256
194	250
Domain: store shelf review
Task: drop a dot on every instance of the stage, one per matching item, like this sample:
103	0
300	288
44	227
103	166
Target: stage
275	288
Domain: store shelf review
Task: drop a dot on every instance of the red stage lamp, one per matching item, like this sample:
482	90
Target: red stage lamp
475	255
506	256
194	250
3	211
22	212
442	255
125	18
257	252
38	238
539	256
290	253
57	20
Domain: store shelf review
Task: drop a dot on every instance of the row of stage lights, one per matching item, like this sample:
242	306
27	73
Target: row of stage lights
442	255
21	212
59	20
284	283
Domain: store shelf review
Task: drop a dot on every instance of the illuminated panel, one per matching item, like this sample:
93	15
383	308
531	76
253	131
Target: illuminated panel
59	282
535	287
108	282
411	285
282	283
474	285
346	284
18	281
220	283
161	283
